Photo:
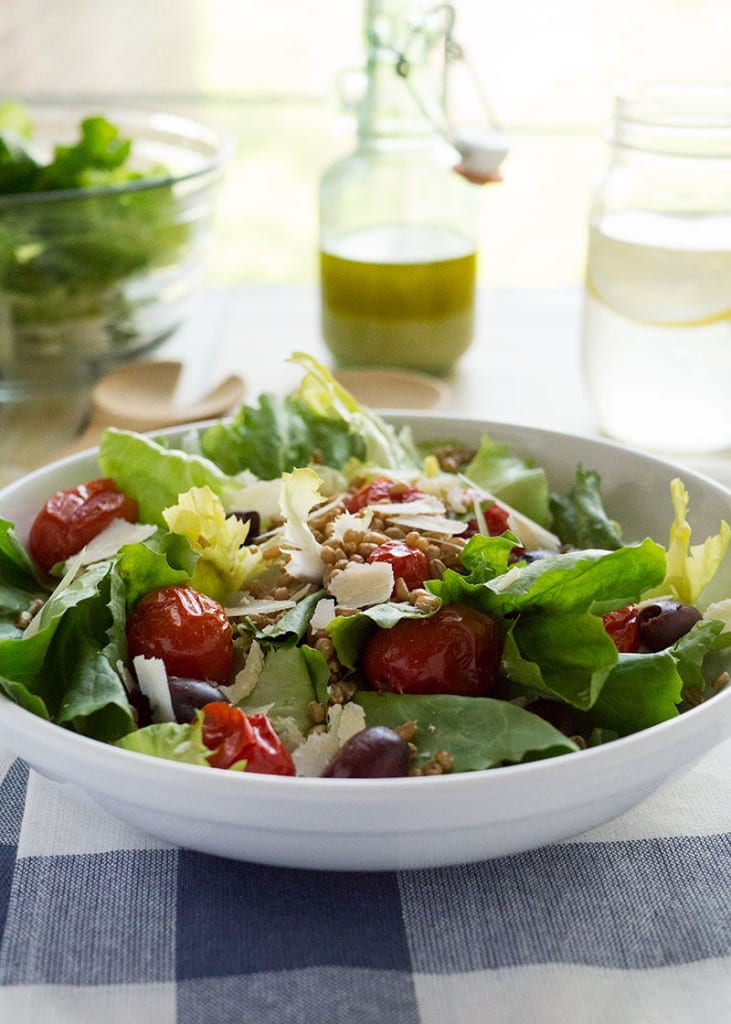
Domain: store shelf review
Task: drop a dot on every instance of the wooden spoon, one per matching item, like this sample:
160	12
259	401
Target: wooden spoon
141	396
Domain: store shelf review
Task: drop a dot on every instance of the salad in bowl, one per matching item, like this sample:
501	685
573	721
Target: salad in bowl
306	590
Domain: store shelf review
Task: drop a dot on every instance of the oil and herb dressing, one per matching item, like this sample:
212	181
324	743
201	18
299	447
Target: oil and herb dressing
405	295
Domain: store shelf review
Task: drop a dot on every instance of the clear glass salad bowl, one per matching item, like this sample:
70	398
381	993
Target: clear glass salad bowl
104	269
386	824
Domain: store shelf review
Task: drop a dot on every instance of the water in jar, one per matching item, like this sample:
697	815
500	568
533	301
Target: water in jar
399	295
657	329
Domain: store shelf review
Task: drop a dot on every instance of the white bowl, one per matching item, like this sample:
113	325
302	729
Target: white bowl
368	824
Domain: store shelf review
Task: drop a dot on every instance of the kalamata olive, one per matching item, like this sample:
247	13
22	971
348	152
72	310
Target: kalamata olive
250	516
562	717
188	695
661	623
373	753
523	555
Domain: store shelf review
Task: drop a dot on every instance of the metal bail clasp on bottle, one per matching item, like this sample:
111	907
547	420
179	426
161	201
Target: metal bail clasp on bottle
398	228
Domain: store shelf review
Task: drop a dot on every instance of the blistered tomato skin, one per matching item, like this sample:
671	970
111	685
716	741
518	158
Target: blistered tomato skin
409	564
496	521
187	630
233	736
382	491
457	650
622	626
72	518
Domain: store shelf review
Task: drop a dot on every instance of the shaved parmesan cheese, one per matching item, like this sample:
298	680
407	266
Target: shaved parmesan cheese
428	505
720	610
248	677
323	614
362	584
110	540
530	534
360	522
262	606
153	680
289	733
430	524
104	546
263	495
315	754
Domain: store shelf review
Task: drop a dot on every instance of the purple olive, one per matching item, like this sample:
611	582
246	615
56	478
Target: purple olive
373	753
188	695
523	555
561	716
661	623
250	516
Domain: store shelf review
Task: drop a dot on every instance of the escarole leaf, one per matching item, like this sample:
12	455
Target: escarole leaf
690	567
225	563
478	732
384	446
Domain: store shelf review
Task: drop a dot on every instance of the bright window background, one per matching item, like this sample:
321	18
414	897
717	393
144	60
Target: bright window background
267	70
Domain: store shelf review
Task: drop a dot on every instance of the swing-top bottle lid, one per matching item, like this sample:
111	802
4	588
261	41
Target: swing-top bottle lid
482	149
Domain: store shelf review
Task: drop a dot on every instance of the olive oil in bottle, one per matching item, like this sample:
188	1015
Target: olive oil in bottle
402	295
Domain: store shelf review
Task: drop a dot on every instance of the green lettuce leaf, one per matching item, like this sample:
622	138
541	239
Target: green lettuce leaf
277	436
66	662
19	587
515	480
580	519
169	740
163	560
640	691
384	446
287	686
478	732
154	475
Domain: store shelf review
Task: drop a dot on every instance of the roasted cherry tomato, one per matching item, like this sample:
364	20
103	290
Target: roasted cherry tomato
233	736
188	631
380	491
622	626
457	650
410	564
70	519
496	520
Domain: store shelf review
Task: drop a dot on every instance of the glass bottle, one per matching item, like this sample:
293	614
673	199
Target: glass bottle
398	226
657	313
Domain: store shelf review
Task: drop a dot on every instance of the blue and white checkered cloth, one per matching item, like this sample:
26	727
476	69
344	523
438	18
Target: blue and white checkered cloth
628	924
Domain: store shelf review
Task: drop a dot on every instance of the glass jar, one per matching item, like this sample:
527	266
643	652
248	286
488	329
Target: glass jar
657	315
398	226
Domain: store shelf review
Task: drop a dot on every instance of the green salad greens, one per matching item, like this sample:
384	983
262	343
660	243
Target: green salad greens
306	602
74	234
